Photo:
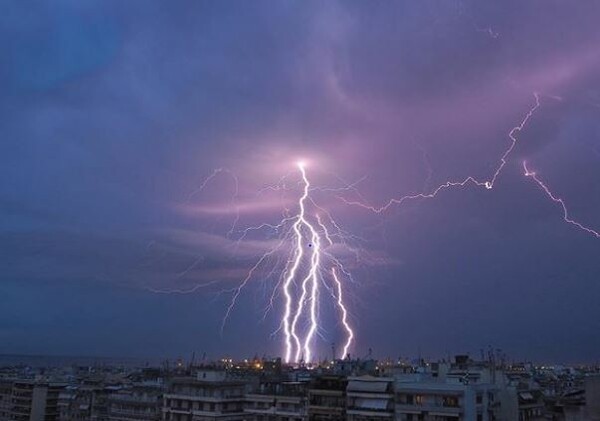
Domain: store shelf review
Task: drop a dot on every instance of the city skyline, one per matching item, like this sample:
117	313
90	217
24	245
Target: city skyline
153	156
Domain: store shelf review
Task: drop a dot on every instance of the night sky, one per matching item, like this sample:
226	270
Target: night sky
113	114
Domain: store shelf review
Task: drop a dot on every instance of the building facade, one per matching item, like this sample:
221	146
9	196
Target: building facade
29	401
370	398
208	397
277	401
137	402
327	398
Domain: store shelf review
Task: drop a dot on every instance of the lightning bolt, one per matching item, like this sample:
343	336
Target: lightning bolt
561	202
303	273
289	329
342	306
304	263
490	182
470	180
309	296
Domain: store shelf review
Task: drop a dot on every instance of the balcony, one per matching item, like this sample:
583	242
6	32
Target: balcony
370	412
451	411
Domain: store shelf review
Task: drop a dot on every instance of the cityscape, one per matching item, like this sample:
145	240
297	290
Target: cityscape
265	389
300	210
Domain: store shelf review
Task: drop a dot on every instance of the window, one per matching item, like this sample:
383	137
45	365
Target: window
450	401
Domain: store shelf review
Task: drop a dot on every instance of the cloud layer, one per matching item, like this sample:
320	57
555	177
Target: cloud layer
113	114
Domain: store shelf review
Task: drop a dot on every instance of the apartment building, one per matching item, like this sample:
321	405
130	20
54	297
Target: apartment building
466	390
85	402
210	396
5	399
136	402
327	398
277	401
31	401
370	398
442	401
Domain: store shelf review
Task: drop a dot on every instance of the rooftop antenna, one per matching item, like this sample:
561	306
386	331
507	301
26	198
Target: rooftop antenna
193	359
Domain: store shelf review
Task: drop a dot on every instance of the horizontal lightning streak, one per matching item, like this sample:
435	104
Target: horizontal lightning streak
488	184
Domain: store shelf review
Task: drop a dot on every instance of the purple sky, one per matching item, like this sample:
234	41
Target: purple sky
112	114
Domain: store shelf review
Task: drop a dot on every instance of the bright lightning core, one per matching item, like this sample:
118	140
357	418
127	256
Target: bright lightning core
304	304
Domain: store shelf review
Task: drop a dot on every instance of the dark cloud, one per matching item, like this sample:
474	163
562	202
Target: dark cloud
114	113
